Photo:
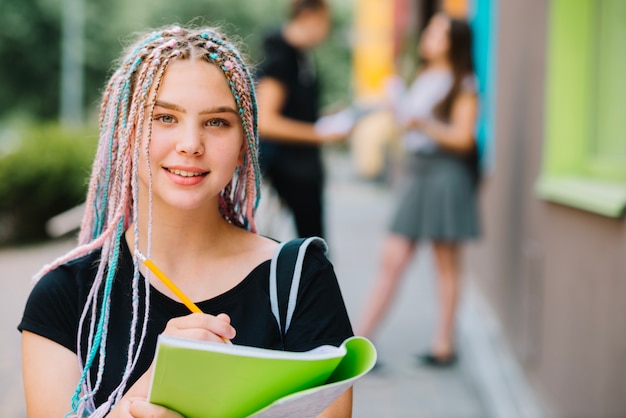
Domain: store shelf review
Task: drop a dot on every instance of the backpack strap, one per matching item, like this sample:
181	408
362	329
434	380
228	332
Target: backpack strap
284	280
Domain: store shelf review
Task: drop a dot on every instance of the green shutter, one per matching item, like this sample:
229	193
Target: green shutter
610	112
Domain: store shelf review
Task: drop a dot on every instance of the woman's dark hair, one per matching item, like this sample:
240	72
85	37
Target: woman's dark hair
298	6
460	55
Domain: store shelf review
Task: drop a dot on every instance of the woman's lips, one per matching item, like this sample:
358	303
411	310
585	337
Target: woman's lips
185	176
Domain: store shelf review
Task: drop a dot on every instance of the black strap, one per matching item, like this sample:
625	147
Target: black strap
284	281
285	266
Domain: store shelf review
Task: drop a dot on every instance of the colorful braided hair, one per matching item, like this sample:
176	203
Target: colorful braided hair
111	204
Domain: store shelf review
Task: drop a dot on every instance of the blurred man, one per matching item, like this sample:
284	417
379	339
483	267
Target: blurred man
288	100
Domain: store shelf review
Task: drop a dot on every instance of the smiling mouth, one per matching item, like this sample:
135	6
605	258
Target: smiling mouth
184	173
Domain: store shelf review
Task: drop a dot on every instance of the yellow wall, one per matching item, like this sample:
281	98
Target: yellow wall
373	48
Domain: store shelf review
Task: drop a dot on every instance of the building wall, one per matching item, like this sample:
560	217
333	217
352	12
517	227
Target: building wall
554	275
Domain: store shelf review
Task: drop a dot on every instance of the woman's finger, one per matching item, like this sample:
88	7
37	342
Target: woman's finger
224	317
140	408
215	325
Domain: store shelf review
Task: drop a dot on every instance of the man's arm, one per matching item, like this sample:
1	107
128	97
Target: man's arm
271	95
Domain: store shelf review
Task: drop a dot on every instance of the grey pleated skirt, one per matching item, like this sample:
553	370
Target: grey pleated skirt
437	199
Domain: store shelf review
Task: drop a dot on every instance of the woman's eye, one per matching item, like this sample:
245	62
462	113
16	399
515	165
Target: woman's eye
217	123
166	118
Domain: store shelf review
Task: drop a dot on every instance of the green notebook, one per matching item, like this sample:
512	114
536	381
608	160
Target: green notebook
202	379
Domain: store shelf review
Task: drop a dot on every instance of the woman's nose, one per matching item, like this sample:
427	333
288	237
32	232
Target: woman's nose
191	142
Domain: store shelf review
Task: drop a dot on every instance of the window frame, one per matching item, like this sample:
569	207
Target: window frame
571	174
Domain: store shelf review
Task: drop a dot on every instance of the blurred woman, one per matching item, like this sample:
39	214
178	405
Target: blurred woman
438	200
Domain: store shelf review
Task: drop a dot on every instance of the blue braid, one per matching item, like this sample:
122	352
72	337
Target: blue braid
126	91
98	338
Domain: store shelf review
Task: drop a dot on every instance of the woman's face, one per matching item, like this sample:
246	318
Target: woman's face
435	41
197	137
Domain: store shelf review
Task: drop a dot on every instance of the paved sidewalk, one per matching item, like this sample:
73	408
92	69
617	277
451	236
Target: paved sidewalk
17	265
357	214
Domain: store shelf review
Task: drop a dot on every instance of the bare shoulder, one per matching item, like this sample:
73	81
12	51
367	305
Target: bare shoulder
263	246
255	248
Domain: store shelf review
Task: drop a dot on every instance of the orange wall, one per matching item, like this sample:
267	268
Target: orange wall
456	8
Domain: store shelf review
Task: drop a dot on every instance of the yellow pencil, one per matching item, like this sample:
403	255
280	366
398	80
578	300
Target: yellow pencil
170	285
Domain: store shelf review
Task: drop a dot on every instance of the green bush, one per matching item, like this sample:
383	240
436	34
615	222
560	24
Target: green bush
45	174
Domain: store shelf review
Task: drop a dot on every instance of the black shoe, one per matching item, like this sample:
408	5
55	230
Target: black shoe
429	359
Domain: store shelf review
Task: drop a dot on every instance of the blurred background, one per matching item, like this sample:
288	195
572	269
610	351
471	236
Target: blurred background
541	322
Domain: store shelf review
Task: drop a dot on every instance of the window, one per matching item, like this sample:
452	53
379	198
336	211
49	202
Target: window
585	116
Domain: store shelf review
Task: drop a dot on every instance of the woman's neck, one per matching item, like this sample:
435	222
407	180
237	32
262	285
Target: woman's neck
181	234
440	64
438	61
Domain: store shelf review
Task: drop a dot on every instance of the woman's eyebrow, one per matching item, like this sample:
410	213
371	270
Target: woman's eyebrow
216	109
219	109
170	106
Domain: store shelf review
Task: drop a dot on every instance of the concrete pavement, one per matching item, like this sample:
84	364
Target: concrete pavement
17	266
357	215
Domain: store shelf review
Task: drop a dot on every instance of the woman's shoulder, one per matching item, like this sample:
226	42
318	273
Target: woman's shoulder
247	250
73	272
54	304
258	246
66	283
469	83
316	247
309	253
312	254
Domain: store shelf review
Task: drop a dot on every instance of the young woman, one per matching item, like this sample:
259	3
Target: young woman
438	201
175	178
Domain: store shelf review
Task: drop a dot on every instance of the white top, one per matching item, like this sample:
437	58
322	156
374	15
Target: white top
419	100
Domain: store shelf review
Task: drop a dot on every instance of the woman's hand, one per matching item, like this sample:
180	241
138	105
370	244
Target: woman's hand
140	408
199	326
456	135
416	123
